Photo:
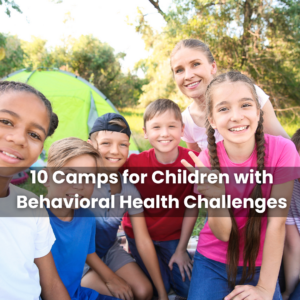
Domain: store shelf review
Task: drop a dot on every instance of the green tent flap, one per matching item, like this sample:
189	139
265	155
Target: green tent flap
76	102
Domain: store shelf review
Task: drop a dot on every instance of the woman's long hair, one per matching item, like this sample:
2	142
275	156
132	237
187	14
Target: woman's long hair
253	226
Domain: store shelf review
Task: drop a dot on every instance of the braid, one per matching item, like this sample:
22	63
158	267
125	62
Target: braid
253	226
9	86
233	245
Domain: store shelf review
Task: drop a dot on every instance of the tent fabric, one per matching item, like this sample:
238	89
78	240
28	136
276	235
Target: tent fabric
76	102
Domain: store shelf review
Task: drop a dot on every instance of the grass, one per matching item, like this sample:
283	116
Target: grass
135	120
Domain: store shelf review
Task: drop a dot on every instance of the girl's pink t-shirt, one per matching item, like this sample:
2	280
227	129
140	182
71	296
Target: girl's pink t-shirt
281	160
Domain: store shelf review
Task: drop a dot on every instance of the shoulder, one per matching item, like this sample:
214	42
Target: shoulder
184	154
281	150
135	160
278	141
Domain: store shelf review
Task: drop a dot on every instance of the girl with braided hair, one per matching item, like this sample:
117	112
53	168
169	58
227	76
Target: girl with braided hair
194	67
26	237
239	250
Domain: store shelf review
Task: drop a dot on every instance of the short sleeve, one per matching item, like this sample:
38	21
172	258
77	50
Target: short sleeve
288	164
187	136
134	194
45	237
262	96
92	247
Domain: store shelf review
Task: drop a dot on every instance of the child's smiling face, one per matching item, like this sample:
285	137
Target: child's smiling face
81	164
113	148
164	132
24	123
234	112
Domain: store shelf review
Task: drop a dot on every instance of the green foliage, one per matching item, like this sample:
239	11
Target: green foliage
86	56
259	38
10	4
13	54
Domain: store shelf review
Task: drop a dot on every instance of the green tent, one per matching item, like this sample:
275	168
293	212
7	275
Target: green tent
76	102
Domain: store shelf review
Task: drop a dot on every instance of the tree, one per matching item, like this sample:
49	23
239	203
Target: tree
259	38
12	56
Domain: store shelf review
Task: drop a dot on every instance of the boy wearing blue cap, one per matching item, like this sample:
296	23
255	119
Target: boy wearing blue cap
110	136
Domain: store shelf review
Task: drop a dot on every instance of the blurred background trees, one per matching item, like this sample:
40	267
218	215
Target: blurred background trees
257	37
260	38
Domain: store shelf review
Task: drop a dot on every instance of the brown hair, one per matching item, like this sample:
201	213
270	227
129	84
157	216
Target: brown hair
193	44
63	150
253	226
159	107
296	139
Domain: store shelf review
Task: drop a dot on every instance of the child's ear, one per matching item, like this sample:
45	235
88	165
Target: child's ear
182	129
145	133
89	142
212	123
47	183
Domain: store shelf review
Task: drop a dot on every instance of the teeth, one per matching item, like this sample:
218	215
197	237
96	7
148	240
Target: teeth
74	195
113	159
193	84
10	155
165	142
238	128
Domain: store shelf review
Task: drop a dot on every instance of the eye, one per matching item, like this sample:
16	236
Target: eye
156	127
105	143
35	136
124	145
246	105
222	109
172	126
6	122
196	64
178	71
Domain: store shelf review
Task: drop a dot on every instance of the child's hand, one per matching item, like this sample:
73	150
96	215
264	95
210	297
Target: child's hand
207	189
184	263
249	292
119	288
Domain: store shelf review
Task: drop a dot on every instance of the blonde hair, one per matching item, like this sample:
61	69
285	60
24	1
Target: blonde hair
63	150
193	44
160	106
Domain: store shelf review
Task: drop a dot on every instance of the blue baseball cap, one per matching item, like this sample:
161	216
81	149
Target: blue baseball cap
102	123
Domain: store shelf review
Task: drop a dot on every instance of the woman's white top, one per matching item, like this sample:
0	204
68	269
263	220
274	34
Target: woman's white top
196	134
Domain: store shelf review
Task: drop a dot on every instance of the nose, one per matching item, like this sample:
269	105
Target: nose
18	137
237	115
114	149
164	131
189	74
78	186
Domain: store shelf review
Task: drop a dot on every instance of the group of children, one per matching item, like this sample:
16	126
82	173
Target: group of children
75	253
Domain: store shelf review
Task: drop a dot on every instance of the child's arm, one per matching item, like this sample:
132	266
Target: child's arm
116	285
272	251
52	286
147	252
180	257
291	259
